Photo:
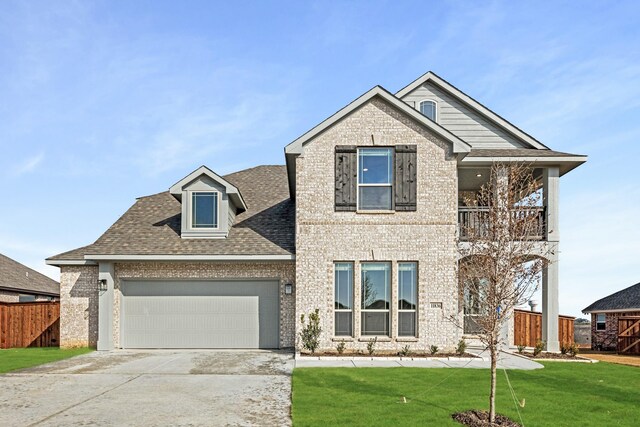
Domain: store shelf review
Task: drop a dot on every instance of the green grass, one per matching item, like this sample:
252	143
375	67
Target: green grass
561	394
18	358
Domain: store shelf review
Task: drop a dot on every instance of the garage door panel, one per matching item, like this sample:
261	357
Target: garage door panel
200	314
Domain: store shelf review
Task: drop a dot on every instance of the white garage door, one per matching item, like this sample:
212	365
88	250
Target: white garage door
200	314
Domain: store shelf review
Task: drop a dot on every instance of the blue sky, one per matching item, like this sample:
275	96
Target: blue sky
102	102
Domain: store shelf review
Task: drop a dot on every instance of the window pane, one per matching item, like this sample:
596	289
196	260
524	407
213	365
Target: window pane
343	286
374	166
375	323
371	198
428	108
376	292
407	286
407	324
204	210
344	323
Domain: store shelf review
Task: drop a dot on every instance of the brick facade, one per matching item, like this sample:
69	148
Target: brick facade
79	291
8	296
607	339
78	306
427	235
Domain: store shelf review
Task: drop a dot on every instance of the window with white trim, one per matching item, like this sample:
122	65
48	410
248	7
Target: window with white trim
407	298
428	107
376	298
601	322
204	209
343	299
375	178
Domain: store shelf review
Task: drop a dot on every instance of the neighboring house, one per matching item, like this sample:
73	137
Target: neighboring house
19	283
361	224
606	312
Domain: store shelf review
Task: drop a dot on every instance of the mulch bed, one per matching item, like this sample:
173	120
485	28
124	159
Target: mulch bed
475	418
545	355
386	354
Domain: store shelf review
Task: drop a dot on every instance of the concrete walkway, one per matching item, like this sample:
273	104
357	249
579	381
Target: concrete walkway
506	361
152	388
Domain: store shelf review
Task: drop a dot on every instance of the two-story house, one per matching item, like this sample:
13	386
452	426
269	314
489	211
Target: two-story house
362	224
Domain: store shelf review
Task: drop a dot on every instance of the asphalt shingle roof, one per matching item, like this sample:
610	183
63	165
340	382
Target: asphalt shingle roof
152	225
625	299
517	152
19	277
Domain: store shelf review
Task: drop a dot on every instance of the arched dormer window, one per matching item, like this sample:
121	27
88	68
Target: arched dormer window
428	107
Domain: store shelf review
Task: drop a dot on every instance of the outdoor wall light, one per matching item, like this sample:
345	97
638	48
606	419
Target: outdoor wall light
288	289
102	285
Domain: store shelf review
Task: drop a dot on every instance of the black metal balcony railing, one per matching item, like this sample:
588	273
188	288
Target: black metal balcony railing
475	221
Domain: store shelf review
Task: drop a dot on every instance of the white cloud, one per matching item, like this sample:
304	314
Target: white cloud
29	165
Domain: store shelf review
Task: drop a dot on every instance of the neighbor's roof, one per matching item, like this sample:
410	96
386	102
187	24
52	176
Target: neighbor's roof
152	225
626	299
20	278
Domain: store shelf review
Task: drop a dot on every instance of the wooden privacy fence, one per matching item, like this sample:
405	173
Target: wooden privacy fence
527	328
629	335
29	324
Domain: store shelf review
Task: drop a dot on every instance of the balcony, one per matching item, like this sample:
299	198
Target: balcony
475	221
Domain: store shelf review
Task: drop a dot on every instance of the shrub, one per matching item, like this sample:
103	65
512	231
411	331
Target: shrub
433	349
310	333
521	348
538	348
573	349
564	348
406	350
371	345
341	346
462	347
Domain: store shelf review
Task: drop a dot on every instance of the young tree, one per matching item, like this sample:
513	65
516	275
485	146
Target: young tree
501	254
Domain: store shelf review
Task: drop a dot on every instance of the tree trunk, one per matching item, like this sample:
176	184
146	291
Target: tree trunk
492	395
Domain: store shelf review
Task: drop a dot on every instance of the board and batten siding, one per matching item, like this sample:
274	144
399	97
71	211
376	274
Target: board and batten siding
461	120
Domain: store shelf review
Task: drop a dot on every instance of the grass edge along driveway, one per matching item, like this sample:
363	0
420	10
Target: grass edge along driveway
561	394
19	358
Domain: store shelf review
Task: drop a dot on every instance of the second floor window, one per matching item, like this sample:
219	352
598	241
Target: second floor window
204	209
375	174
428	108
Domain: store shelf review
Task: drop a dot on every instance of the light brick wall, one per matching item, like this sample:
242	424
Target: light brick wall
78	306
282	271
8	296
426	235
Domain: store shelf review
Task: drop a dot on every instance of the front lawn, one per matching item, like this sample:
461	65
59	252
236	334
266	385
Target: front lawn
18	358
561	394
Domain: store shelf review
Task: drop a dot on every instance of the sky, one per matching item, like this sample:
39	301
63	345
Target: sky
102	102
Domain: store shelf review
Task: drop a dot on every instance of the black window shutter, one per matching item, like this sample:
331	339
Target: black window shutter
405	179
346	178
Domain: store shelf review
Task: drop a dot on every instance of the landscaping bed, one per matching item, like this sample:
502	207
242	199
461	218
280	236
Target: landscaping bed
349	355
554	356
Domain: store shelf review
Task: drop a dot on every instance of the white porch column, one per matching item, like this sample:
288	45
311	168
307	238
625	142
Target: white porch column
551	199
105	307
551	188
550	305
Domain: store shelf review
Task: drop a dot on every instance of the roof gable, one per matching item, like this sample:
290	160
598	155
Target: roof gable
471	103
626	299
233	193
459	146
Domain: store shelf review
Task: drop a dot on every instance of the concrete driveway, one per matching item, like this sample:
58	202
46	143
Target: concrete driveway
152	388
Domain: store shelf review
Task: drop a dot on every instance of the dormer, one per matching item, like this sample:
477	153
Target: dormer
209	204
